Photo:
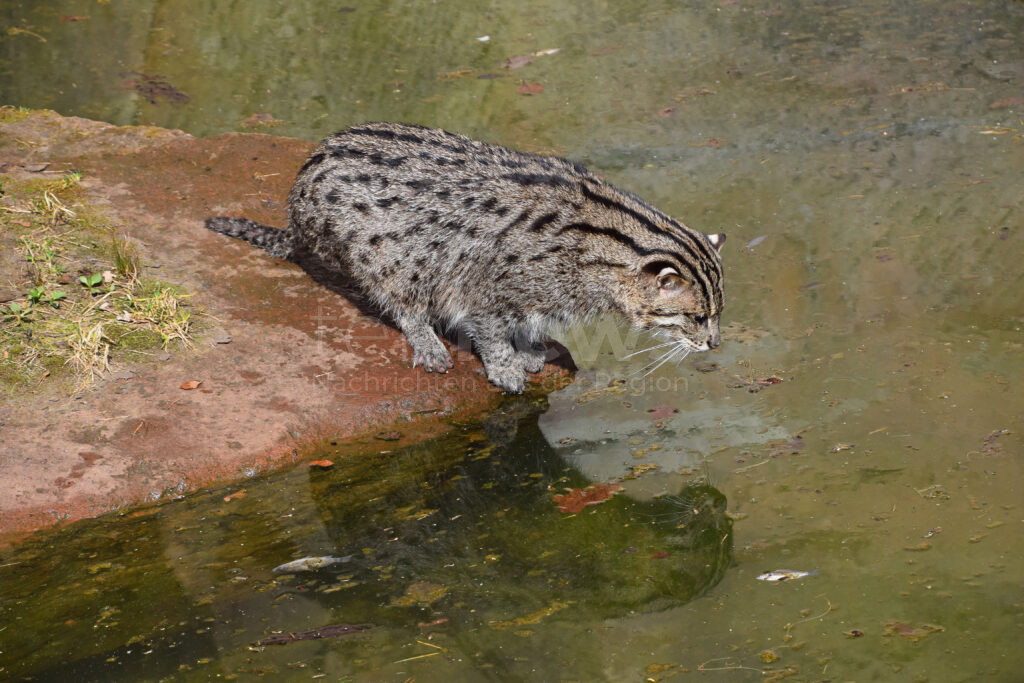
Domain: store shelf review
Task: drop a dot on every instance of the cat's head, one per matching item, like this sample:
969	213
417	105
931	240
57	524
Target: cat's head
679	295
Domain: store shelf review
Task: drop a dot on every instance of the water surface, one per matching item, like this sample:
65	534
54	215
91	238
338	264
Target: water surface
871	155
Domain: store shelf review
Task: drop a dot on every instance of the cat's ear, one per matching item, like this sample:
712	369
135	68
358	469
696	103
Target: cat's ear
665	277
717	241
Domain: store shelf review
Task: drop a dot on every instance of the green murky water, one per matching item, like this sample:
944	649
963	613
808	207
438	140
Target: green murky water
866	160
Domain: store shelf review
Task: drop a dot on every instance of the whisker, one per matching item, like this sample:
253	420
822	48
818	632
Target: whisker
668	358
649	348
656	360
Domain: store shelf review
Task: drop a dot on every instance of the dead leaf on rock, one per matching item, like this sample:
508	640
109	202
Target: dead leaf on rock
574	500
237	494
530	89
36	168
389	436
666	112
191	384
321	463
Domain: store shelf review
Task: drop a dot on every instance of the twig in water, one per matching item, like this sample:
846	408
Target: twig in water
409	659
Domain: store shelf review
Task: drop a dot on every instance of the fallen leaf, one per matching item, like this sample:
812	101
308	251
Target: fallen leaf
549	51
73	17
574	500
666	112
842	447
529	619
920	547
237	494
660	555
901	628
191	384
389	436
24	224
991	445
321	463
420	593
458	73
261	118
756	241
36	168
662	412
853	633
530	89
787	447
435	622
517	62
768	656
1008	102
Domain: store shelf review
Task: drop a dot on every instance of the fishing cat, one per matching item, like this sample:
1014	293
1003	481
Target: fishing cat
438	229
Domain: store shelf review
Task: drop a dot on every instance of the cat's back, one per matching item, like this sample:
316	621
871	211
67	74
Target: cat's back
388	172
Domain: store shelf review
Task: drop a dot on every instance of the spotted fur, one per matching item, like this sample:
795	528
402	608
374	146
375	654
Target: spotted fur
441	230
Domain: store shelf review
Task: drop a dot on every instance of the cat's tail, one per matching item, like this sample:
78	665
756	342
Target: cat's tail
276	242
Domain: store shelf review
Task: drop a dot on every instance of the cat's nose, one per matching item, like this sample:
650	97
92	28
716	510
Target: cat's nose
713	342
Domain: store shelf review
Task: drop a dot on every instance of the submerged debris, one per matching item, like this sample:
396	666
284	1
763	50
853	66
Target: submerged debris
310	564
154	87
908	631
574	500
325	632
785	575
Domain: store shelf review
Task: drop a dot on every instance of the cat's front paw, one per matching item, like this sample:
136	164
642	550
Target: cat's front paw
533	361
433	358
509	379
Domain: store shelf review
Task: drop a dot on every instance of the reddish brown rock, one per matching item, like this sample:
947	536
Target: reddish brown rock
289	363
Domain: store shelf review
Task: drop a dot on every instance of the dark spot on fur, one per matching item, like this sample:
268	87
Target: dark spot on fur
360	207
375	240
511	258
387	201
312	161
541	222
443	194
333	197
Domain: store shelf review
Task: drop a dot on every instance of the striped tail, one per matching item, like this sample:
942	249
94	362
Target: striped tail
276	242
